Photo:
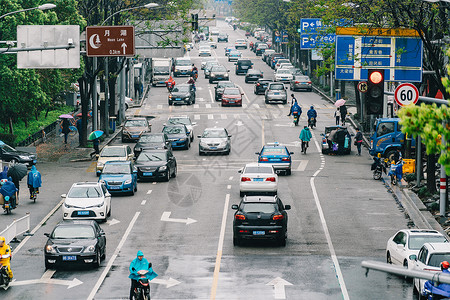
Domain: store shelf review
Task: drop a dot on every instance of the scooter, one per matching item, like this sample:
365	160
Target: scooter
296	118
142	291
7	205
378	168
4	277
312	122
393	172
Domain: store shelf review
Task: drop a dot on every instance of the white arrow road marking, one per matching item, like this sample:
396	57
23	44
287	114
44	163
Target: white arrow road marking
168	282
149	192
196	117
166	217
278	285
47	278
112	222
239	123
124	47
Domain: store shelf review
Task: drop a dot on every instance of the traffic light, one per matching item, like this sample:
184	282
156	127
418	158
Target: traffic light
194	22
375	92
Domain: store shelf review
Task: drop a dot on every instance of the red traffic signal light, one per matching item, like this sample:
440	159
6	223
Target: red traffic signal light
375	77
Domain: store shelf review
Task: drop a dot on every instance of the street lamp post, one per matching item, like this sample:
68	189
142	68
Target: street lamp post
40	7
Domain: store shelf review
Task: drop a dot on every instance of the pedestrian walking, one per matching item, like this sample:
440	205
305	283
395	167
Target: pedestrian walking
65	129
337	115
343	110
96	143
80	130
358	140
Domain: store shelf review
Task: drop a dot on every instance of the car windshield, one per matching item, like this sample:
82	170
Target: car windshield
265	208
235	53
263	46
113	152
181	89
135	123
8	148
437	258
161	70
222	34
277	87
175	121
73	232
85	192
116	169
417	241
264	170
209	65
183	63
214	134
173	130
151	139
240	41
274	151
205	48
151	156
218	69
231	91
245	63
223	84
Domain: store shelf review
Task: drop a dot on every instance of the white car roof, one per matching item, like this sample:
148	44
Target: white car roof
438	247
257	165
421	231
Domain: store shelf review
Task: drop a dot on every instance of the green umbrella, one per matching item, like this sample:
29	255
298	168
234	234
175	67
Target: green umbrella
95	135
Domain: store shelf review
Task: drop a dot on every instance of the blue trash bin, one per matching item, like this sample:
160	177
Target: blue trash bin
112	124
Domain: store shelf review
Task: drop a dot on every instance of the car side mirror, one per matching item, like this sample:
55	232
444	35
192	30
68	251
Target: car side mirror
257	153
234	206
229	135
194	123
240	171
287	207
413	257
291	152
63	196
102	233
47	234
107	195
188	132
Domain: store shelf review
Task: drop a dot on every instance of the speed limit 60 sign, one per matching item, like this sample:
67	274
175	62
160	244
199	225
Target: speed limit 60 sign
406	94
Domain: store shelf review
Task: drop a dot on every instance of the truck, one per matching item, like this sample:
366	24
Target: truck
388	137
161	68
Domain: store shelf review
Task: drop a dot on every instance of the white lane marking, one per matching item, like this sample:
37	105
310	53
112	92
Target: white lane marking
167	282
245	95
47	278
236	116
159	106
166	218
280	105
255	105
112	222
223	116
229	187
196	106
231	178
207	105
302	165
143	202
244	105
325	229
149	192
197	117
113	257
210	117
220	248
278	285
199	99
211	94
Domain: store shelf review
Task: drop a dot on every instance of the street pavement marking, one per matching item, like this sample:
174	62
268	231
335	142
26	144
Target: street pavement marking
149	192
229	187
255	105
208	105
236	116
280	105
92	167
210	117
197	117
154	182
210	94
143	202
244	105
137	112
302	165
159	106
220	248
231	178
196	106
223	116
113	257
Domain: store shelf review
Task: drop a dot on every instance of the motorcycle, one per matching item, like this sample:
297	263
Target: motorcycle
7	205
4	277
312	122
195	74
170	86
378	168
296	118
142	291
393	172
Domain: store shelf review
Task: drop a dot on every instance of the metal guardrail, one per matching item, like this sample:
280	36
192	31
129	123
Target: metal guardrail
16	228
39	135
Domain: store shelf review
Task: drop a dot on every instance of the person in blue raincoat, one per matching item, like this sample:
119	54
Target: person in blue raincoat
295	109
34	181
438	291
138	264
9	189
4	173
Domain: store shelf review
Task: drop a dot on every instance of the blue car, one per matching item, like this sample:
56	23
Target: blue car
178	135
119	177
277	156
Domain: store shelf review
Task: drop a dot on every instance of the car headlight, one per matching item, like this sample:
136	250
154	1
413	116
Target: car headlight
212	75
23	157
163	168
176	70
128	181
50	249
222	144
182	139
101	204
89	249
226	75
67	205
203	144
100	164
102	181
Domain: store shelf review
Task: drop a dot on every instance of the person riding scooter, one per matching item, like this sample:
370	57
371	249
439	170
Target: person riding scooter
312	116
192	81
170	83
194	72
5	256
296	111
139	264
8	189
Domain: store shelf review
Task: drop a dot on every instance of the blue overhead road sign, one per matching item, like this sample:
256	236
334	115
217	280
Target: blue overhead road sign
311	41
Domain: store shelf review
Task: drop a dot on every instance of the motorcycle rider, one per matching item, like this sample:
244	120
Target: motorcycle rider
9	189
192	81
305	136
312	114
295	110
194	72
34	181
170	83
5	256
138	264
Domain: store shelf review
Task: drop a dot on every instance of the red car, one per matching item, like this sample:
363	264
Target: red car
232	97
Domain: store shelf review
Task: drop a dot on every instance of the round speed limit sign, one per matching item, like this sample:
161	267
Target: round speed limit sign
406	94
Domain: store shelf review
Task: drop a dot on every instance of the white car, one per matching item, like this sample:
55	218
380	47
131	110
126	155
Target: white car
205	60
258	178
407	242
204	51
87	200
283	75
429	259
214	31
287	66
281	61
240	43
183	120
213	44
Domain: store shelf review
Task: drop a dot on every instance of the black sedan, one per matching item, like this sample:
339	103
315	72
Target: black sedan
260	217
156	164
178	135
9	154
261	86
221	85
182	94
152	141
75	242
253	75
218	73
223	37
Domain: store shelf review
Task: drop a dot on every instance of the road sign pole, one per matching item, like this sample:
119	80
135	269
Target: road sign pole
106	124
94	98
122	95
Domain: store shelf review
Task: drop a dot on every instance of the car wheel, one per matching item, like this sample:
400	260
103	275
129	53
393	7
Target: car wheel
167	176
109	211
135	188
236	241
282	242
388	258
174	172
288	172
310	90
47	265
266	101
98	260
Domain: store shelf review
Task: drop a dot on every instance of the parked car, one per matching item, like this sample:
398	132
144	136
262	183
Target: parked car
335	137
272	57
253	75
133	128
178	135
204	50
221	85
75	242
217	73
260	217
152	141
261	86
407	242
9	154
234	55
214	140
240	43
208	67
232	97
109	153
277	156
276	92
266	53
301	82
243	65
182	94
183	120
223	37
87	200
258	178
283	75
119	177
156	164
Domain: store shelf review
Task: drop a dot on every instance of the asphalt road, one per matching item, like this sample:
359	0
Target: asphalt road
339	217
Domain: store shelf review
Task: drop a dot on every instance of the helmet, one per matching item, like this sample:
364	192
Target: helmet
444	265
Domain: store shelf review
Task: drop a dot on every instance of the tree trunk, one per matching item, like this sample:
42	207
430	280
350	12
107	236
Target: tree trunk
431	173
11	129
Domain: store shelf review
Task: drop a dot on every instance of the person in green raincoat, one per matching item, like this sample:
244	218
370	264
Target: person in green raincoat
138	264
305	136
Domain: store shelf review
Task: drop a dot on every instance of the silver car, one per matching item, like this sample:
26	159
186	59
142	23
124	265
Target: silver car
301	82
208	67
214	140
276	92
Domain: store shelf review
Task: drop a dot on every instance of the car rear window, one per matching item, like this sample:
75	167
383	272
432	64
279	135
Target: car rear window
265	208
175	121
417	241
245	62
183	62
277	87
222	84
135	123
302	78
113	152
263	170
231	91
218	69
274	151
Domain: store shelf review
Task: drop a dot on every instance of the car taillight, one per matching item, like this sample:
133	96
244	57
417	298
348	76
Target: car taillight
239	217
258	84
246	179
263	159
297	82
309	82
270	179
286	159
278	217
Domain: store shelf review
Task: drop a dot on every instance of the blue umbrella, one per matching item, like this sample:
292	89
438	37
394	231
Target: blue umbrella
95	135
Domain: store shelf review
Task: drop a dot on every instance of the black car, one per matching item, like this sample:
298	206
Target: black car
9	154
156	164
221	85
243	65
218	73
182	94
261	86
253	75
260	217
259	50
75	242
223	37
152	141
178	135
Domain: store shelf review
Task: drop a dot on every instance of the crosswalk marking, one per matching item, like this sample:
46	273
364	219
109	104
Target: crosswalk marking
223	116
208	105
255	105
210	117
196	106
244	105
159	106
280	105
236	116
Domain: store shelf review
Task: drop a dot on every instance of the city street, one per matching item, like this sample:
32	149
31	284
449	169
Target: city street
340	216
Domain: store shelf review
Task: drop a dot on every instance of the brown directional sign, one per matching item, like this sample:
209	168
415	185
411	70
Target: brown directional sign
110	41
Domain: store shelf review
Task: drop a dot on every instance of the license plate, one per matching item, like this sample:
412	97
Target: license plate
213	148
256	232
69	258
257	179
177	98
147	173
276	93
83	213
135	135
114	187
274	159
231	102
